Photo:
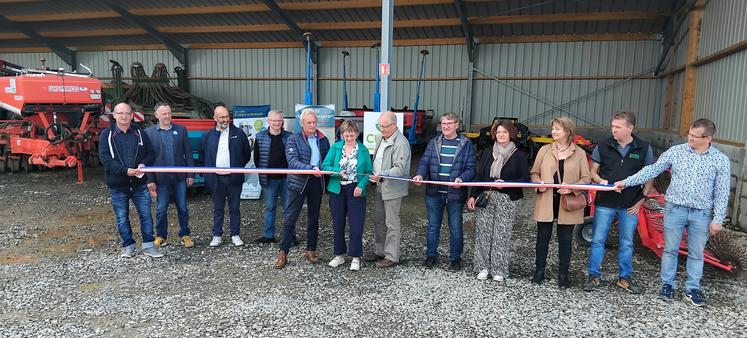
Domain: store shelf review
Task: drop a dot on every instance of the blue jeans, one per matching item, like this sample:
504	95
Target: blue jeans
436	205
275	187
676	219
164	190
225	190
626	225
121	204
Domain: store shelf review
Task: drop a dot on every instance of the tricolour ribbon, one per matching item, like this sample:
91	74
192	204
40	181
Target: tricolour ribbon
216	170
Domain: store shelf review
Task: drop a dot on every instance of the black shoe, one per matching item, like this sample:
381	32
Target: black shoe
591	283
455	265
563	281
539	275
265	240
372	258
430	262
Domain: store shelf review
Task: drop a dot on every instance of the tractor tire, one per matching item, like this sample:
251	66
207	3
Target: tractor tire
584	231
731	250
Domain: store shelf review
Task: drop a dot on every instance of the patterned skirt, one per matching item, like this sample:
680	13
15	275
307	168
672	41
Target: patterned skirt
493	235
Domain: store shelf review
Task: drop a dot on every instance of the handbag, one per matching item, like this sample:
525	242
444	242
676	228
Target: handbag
482	199
571	202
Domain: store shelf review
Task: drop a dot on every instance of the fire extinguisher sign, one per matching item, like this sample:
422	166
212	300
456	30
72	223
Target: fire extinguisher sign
384	69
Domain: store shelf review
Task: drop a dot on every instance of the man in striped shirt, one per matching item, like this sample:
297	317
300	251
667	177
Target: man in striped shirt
449	157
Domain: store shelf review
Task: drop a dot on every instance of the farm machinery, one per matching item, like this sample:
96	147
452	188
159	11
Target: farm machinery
51	118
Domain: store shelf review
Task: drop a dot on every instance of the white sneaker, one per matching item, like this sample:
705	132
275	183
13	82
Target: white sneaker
355	265
337	261
128	251
216	241
237	240
498	278
483	275
152	252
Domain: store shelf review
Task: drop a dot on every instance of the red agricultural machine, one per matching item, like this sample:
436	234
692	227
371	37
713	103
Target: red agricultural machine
50	119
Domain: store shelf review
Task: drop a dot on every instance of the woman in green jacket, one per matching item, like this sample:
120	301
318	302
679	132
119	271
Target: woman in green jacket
347	193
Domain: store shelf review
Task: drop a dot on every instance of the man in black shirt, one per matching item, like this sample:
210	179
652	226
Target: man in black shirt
616	158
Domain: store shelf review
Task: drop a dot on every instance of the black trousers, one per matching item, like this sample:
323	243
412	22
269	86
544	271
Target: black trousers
544	234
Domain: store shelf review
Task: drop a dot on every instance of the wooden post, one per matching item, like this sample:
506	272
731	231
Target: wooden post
693	47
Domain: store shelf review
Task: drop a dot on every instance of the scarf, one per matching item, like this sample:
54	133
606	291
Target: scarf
501	156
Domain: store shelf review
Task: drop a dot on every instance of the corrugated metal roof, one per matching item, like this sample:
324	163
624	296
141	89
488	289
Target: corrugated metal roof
79	15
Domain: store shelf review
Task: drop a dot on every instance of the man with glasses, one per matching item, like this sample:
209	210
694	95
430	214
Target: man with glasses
391	158
123	148
449	157
172	148
696	200
225	146
269	152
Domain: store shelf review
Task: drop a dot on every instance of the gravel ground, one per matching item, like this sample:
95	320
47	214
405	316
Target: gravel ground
61	275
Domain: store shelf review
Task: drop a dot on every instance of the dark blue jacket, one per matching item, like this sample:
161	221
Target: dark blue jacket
182	150
463	167
298	154
112	148
238	148
262	151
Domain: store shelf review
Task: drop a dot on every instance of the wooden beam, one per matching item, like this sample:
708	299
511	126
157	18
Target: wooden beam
17	1
567	38
225	28
247	45
693	47
13	36
94	33
565	17
668	102
64	16
348	4
736	48
199	10
25	50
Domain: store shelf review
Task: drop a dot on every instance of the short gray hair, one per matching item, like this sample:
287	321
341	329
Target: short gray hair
275	112
349	125
450	116
307	112
392	116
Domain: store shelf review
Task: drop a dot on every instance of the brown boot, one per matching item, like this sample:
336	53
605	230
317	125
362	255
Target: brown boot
282	260
311	256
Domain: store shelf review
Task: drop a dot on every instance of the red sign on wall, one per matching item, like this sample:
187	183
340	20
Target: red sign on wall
384	69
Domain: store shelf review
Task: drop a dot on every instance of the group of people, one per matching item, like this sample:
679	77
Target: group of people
696	199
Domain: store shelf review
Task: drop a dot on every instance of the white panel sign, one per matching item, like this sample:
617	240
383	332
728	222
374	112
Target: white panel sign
371	129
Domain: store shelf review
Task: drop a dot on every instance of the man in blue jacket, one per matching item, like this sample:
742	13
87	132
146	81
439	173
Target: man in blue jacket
449	157
305	150
123	148
223	147
171	146
269	152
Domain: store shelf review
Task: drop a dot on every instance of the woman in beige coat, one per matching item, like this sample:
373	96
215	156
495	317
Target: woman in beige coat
560	159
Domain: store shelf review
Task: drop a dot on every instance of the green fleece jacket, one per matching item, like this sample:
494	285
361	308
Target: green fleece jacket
332	163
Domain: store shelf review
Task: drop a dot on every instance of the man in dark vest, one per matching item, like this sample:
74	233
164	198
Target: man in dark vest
616	158
269	152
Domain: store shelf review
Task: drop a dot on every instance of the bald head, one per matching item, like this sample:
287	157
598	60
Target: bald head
387	124
221	117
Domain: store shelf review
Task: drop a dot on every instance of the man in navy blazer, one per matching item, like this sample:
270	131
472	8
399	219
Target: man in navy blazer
225	146
171	145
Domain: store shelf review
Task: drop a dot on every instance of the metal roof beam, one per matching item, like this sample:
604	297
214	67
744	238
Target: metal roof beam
466	29
670	31
294	27
60	50
179	52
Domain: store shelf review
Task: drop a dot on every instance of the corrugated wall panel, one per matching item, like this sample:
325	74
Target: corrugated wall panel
721	96
604	58
101	67
31	60
723	25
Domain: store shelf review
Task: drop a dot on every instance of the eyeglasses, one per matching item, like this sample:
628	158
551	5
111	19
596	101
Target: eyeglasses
448	123
275	121
695	136
382	127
